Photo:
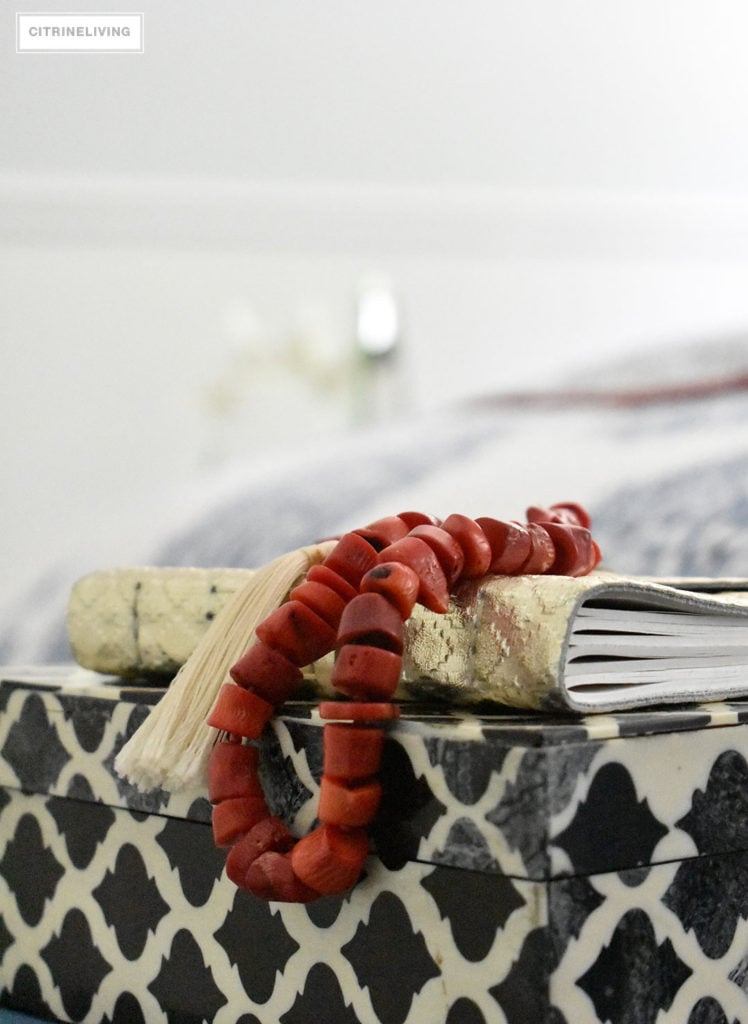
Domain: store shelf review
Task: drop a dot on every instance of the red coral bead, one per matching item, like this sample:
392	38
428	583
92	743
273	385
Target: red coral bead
324	574
350	751
510	545
433	592
446	549
566	548
296	631
543	553
412	519
321	599
383	532
575	551
541	514
351	557
232	772
235	817
395	581
474	544
270	877
330	859
268	834
366	673
268	672
575	513
597	554
348	806
568	512
240	712
370	620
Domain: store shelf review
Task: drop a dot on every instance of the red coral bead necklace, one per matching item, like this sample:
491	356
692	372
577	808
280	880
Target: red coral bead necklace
355	603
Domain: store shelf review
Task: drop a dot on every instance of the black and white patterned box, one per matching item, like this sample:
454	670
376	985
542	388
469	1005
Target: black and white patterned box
528	870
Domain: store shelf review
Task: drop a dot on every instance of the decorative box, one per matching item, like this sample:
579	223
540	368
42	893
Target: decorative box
528	870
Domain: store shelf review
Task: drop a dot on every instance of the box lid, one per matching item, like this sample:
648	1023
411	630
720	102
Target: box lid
490	790
61	728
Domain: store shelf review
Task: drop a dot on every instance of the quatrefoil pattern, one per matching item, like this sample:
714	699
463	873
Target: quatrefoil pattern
527	869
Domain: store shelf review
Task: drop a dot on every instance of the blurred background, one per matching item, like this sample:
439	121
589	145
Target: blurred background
284	222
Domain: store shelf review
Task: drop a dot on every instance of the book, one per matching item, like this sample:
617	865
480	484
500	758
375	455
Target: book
596	643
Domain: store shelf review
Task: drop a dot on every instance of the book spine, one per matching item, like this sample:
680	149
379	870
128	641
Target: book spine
492	644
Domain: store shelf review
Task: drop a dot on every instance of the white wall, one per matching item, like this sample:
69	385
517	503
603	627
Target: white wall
540	95
544	183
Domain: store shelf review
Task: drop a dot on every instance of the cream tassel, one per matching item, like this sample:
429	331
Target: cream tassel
171	748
